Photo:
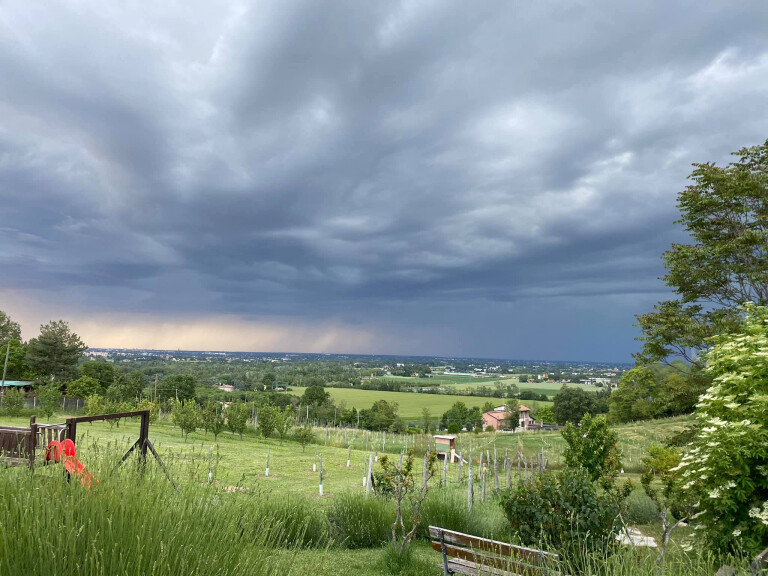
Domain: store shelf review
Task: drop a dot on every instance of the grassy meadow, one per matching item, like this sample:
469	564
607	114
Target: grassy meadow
410	404
244	522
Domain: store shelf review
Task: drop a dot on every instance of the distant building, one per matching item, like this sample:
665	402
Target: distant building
24	385
495	418
226	387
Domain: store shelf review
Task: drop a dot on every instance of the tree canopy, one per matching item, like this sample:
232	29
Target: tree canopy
9	330
572	403
55	352
725	212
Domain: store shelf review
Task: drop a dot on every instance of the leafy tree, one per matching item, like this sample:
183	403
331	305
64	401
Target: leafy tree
381	416
153	407
544	415
18	369
592	446
266	420
460	415
178	386
50	399
571	404
315	396
55	351
94	405
426	419
268	380
184	415
83	387
636	397
303	435
104	372
13	401
237	418
283	422
724	467
212	419
511	416
9	330
725	211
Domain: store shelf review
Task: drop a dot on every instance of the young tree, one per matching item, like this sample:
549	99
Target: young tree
13	401
724	211
184	415
237	418
426	419
267	417
545	415
511	416
55	351
406	490
18	369
303	435
50	399
592	446
212	419
94	404
283	422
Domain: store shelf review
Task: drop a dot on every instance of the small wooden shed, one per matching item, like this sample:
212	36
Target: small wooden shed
445	446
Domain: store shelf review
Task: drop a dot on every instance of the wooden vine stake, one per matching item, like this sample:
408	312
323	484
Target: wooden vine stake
322	474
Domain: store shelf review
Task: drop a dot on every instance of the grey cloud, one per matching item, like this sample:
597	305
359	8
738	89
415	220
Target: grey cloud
354	160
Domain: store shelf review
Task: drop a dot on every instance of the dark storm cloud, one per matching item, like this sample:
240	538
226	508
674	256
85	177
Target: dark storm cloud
349	159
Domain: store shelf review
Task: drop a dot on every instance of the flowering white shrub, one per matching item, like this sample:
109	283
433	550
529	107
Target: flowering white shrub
726	465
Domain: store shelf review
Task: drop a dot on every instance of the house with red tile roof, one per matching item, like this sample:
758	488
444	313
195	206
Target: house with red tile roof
495	418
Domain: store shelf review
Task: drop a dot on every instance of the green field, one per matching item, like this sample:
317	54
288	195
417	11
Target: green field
460	382
409	404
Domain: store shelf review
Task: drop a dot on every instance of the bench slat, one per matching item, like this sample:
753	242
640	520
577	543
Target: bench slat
530	555
486	562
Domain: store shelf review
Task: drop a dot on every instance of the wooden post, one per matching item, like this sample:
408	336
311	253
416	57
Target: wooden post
370	473
482	476
461	463
495	468
32	442
470	493
322	473
445	468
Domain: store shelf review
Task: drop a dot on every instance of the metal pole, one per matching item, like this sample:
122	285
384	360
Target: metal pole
5	366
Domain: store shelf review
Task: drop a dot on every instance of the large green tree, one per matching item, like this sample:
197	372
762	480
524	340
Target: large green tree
179	387
571	404
9	330
725	212
55	352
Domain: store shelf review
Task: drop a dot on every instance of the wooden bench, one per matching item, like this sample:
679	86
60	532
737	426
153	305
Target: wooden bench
20	445
466	554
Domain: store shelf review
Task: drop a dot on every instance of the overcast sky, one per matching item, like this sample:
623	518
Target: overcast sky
493	179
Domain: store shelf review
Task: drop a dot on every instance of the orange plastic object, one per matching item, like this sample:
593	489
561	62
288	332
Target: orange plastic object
72	465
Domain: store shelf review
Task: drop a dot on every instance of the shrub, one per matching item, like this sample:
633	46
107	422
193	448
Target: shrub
13	402
562	510
360	522
453	428
83	387
50	399
725	466
640	509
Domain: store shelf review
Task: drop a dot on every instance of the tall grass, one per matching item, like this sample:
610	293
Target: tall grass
129	524
361	522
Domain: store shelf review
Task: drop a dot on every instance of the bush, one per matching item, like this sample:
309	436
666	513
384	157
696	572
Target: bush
13	402
360	522
564	511
724	468
453	428
640	509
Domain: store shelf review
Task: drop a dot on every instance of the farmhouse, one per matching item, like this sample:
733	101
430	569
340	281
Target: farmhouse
495	418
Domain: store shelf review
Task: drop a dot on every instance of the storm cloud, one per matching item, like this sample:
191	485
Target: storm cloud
490	179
